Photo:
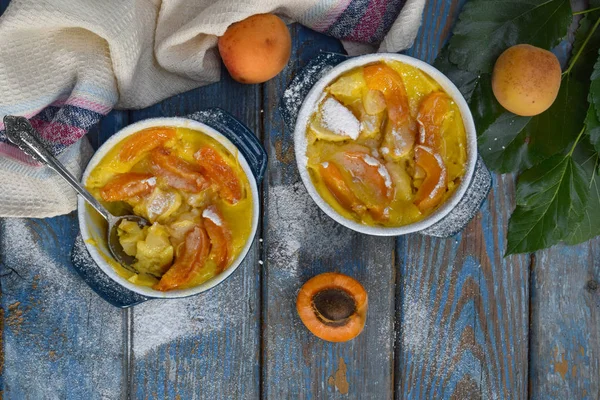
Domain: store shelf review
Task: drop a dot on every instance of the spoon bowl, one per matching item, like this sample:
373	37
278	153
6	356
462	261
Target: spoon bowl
114	245
20	132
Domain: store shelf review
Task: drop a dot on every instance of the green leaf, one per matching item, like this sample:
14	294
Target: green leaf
488	27
594	96
511	143
589	227
551	198
592	128
465	81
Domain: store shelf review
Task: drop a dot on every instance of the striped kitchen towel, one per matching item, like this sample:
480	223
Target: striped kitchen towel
64	64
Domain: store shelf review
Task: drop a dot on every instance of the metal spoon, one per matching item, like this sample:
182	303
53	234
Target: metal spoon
20	132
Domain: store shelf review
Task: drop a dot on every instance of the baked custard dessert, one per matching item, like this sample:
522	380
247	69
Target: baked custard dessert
193	192
386	145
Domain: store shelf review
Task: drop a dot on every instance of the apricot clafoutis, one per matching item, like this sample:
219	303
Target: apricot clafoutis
333	306
193	192
386	145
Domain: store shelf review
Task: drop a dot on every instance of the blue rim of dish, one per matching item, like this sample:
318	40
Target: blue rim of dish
477	191
254	153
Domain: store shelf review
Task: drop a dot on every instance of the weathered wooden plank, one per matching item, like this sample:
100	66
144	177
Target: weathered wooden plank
464	319
301	241
206	346
565	322
60	339
464	313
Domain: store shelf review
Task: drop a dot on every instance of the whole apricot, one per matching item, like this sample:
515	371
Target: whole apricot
526	79
256	49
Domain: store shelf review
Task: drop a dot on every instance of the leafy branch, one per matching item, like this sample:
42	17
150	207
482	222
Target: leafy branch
556	153
575	58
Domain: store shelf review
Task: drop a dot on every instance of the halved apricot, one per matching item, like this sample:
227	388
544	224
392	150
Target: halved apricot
434	186
220	237
432	112
334	181
333	306
189	262
128	185
144	141
400	134
177	173
220	174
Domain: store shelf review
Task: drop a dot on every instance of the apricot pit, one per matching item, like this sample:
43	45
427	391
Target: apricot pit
333	306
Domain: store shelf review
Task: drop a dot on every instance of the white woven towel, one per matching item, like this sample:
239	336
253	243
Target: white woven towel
95	55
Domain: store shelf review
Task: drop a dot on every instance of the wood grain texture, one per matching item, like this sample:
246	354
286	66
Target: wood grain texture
60	339
565	323
301	241
205	346
464	308
464	318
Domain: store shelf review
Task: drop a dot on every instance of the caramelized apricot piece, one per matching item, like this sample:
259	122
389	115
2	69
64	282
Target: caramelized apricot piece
334	181
434	185
220	173
371	182
128	185
177	172
432	112
189	262
144	141
333	306
220	237
401	130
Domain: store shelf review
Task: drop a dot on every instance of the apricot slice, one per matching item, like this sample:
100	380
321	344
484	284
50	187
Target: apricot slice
144	141
334	181
371	182
401	130
220	237
434	186
128	185
178	173
220	174
432	112
189	262
333	306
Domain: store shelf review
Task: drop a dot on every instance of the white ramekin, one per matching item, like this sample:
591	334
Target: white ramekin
95	232
300	143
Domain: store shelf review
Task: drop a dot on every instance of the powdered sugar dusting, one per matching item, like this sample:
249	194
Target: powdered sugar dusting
381	169
150	181
295	93
209	213
373	162
297	224
162	322
60	319
339	120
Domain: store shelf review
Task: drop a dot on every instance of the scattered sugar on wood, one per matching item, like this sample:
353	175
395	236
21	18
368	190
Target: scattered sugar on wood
296	223
54	319
162	322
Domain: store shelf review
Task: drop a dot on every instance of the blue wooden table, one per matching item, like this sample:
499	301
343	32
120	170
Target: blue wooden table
448	318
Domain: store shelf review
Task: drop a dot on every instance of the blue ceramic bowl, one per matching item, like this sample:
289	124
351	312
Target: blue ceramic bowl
215	123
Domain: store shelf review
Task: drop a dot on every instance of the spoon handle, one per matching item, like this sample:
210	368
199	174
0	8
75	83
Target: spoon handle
20	132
